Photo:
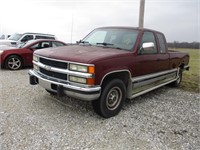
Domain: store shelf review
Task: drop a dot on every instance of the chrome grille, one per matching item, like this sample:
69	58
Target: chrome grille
53	63
54	74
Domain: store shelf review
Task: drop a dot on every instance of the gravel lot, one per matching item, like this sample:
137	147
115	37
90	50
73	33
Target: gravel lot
31	119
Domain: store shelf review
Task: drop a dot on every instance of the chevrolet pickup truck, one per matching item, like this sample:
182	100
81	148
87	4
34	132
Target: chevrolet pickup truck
109	65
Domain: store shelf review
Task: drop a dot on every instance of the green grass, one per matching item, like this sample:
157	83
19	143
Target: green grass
191	78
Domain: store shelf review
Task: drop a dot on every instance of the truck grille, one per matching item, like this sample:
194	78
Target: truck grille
55	64
52	63
54	74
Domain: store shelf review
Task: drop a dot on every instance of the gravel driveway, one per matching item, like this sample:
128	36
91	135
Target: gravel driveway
31	119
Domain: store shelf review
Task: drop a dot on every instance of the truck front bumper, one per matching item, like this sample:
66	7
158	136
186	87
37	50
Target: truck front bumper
82	93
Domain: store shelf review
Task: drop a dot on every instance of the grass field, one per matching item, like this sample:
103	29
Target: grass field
191	78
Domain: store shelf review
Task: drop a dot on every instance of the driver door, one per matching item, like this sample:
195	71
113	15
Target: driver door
27	38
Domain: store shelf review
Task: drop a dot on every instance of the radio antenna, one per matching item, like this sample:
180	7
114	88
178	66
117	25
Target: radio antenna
72	27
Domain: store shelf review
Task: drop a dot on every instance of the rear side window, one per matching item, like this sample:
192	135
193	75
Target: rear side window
162	45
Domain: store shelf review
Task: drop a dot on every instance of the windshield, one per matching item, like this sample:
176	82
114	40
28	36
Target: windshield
116	38
15	37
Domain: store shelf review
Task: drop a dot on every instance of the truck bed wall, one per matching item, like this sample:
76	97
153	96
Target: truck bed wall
177	58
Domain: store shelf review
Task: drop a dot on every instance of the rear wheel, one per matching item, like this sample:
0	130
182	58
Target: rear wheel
178	80
111	100
13	62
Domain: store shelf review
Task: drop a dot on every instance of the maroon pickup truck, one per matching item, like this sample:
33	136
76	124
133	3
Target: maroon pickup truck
109	65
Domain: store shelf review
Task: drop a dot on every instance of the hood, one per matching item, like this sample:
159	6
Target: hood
6	47
82	54
8	42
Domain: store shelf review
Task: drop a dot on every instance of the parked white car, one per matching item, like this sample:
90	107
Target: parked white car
16	38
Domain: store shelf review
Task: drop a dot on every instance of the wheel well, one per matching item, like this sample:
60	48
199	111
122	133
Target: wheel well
13	55
124	76
182	65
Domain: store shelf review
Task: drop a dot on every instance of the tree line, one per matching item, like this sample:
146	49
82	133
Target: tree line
176	44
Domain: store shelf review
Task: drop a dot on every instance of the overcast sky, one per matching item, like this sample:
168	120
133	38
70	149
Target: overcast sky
71	20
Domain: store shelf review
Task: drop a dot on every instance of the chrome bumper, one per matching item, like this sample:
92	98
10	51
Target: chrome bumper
82	93
186	68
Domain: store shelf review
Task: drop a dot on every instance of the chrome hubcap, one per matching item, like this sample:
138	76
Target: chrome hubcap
114	98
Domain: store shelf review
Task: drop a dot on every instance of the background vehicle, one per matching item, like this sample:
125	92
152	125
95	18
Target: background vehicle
109	65
15	58
4	36
16	38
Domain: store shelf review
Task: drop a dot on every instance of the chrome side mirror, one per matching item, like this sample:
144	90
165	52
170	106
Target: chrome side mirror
148	46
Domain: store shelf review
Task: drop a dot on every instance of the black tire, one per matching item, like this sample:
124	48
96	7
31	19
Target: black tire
111	100
51	92
13	62
179	79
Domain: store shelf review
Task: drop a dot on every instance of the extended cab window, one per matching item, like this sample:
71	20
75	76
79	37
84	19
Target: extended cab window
147	38
162	45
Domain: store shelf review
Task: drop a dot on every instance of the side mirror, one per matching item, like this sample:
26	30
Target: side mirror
148	46
77	42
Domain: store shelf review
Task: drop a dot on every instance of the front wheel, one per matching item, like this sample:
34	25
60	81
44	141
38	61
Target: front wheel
13	62
111	100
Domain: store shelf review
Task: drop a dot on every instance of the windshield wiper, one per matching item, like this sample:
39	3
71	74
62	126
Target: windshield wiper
118	48
84	42
104	44
107	44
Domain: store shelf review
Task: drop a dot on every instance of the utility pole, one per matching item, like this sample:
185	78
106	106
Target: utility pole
141	13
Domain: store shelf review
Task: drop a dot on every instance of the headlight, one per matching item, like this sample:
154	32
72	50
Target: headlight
88	81
77	79
81	68
1	52
35	58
